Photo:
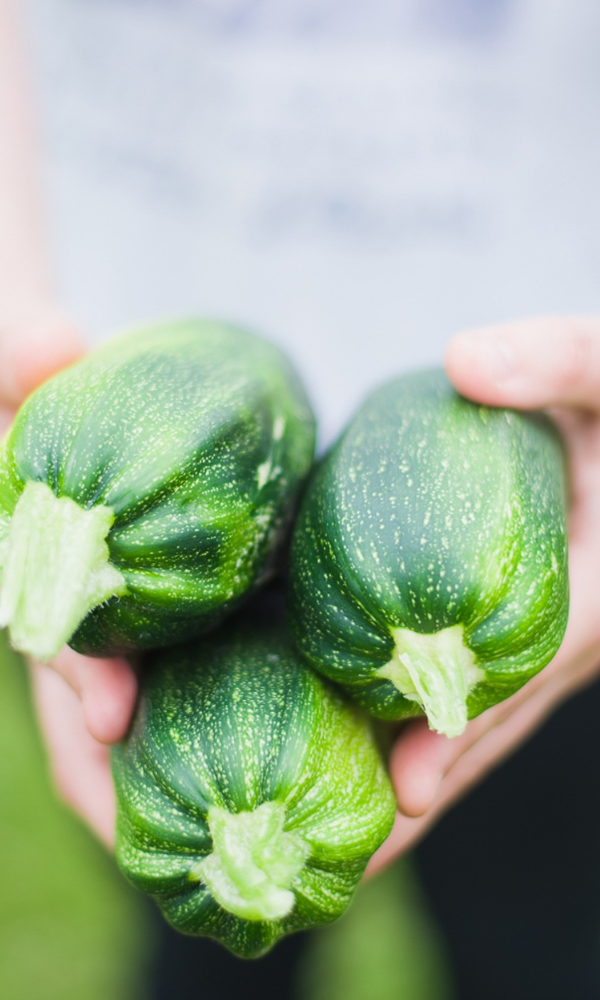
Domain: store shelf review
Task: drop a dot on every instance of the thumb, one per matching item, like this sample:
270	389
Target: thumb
32	348
532	363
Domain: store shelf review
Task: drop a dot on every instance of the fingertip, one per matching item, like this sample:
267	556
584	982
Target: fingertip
481	365
108	697
417	766
539	362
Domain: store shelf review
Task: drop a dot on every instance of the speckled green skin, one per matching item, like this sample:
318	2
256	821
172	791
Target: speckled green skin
197	435
431	511
236	720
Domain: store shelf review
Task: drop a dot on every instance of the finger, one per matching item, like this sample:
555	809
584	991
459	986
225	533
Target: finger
418	762
80	766
488	740
532	363
421	758
107	689
467	769
406	833
31	350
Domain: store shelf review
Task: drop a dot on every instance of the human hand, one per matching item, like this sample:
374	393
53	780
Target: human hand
539	363
34	344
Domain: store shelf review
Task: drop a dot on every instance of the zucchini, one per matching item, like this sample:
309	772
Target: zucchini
250	794
429	558
144	489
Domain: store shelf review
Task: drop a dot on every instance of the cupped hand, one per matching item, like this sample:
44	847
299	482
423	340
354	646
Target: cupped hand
539	363
95	704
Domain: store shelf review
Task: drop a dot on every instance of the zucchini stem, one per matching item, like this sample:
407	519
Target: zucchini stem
253	862
56	570
438	671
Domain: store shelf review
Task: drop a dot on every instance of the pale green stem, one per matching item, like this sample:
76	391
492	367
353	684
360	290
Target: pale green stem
56	570
253	862
438	671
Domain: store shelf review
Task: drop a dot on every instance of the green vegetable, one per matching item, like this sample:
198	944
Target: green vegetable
250	794
143	490
429	559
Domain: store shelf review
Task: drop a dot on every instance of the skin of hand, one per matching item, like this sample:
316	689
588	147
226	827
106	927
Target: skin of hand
542	363
94	706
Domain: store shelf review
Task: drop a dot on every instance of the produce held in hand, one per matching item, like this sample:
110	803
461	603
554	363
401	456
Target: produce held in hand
143	490
250	793
429	557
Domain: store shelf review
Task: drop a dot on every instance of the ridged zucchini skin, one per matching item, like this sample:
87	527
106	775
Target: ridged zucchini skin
235	720
431	512
196	435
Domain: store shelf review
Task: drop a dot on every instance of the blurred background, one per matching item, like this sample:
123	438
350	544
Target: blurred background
358	181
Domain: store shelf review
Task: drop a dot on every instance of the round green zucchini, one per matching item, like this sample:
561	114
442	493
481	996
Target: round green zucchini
250	793
429	557
144	489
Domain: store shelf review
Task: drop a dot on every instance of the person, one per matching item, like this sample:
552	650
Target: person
542	362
